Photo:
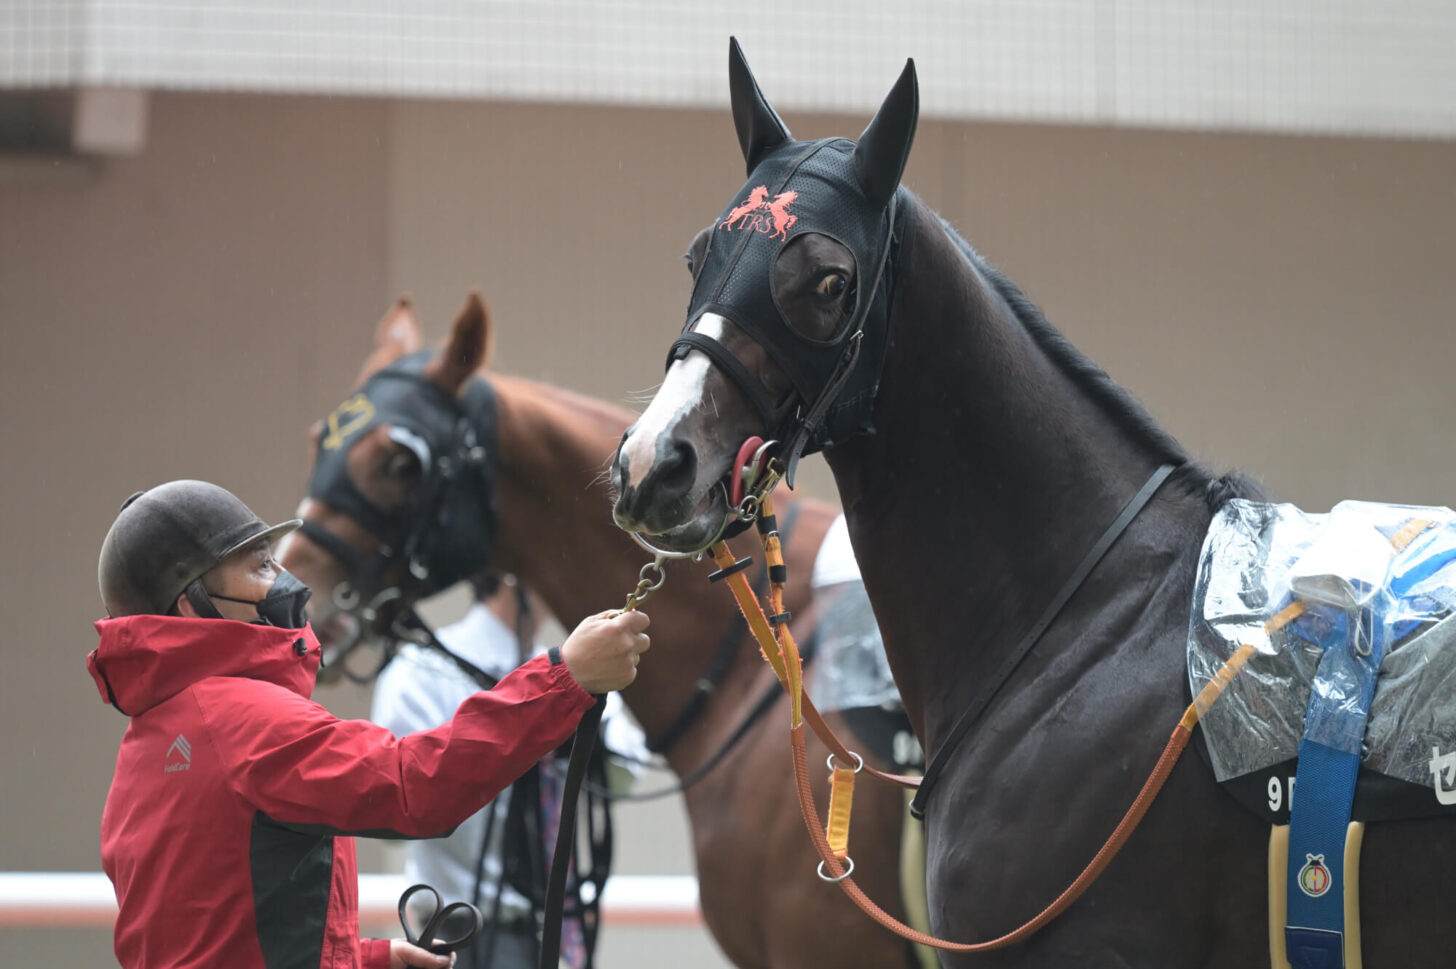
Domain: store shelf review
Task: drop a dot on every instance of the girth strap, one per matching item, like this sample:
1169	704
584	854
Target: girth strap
978	706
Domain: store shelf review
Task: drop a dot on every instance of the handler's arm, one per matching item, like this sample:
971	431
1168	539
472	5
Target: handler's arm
304	767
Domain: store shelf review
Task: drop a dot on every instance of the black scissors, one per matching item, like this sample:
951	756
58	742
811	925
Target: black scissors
435	922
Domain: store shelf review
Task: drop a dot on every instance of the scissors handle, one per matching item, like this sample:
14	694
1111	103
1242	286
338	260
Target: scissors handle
428	937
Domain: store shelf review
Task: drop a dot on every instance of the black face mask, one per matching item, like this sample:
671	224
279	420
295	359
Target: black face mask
284	605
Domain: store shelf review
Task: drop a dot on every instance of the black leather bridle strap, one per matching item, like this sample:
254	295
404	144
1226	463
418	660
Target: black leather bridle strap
810	421
334	545
581	749
769	412
978	705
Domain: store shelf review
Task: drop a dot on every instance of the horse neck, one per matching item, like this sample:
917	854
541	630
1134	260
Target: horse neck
993	469
556	533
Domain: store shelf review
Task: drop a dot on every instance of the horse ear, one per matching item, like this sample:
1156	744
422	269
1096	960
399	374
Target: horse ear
760	130
397	334
466	350
399	328
883	149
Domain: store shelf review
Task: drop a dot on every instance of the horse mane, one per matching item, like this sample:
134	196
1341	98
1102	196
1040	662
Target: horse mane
1113	398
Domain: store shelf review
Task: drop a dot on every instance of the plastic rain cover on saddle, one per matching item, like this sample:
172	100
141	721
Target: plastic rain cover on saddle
1363	570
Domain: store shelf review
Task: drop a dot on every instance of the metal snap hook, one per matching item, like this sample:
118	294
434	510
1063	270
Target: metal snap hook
646	584
655	566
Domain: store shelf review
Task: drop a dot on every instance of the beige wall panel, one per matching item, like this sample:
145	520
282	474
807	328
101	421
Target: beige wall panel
1283	305
169	315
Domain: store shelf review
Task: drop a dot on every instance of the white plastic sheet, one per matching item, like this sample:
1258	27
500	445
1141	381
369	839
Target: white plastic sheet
1378	569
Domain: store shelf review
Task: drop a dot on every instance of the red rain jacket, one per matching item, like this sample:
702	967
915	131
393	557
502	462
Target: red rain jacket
225	830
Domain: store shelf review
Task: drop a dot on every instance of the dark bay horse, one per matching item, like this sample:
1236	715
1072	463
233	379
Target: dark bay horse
999	455
758	887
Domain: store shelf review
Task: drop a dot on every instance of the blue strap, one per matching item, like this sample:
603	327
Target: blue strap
1324	787
1334	731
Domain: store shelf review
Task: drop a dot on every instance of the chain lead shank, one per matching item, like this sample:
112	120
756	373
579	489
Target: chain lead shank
649	580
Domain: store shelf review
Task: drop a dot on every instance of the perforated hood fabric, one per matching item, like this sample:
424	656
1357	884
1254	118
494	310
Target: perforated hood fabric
803	187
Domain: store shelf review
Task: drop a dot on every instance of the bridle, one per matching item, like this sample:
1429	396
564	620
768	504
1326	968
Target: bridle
834	381
445	532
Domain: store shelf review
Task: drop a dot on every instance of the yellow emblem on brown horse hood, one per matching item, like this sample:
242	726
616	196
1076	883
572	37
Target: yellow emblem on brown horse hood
347	418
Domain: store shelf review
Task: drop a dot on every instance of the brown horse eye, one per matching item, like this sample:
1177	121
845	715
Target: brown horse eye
831	285
402	466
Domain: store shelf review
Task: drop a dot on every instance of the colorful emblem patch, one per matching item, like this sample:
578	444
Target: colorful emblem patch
762	213
1314	877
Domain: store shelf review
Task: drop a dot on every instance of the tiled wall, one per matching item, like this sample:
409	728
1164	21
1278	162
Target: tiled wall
1328	66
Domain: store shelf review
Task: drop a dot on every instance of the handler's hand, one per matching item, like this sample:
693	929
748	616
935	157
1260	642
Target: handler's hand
602	652
403	955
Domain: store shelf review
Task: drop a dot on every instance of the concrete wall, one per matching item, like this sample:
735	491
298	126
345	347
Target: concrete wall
172	315
1282	304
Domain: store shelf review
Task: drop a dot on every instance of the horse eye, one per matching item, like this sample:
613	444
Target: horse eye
831	285
402	464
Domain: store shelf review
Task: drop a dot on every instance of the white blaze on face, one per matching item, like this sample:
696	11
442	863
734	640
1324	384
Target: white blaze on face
680	394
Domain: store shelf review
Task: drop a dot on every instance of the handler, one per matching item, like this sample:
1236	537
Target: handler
226	829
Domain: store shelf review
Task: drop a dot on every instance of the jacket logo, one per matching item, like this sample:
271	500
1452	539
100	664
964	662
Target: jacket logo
760	213
179	756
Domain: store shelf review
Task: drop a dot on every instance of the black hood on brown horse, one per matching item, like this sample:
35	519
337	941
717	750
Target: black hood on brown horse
446	531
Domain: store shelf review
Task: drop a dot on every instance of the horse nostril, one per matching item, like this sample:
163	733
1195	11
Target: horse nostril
677	469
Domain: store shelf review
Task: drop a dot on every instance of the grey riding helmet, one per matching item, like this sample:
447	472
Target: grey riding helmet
168	537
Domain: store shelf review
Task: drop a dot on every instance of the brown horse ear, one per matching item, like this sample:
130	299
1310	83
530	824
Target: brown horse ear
760	130
399	328
466	350
883	149
397	334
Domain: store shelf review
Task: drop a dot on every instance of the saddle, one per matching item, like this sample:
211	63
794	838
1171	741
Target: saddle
1342	716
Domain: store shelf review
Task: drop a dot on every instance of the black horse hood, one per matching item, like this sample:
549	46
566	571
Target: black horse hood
841	189
801	188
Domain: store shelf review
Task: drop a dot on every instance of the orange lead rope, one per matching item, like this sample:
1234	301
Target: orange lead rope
782	653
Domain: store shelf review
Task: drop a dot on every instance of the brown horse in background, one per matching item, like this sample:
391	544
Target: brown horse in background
759	892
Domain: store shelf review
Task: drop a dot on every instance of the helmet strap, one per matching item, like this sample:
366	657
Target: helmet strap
201	602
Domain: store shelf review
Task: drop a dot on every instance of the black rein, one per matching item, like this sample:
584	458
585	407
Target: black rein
978	705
